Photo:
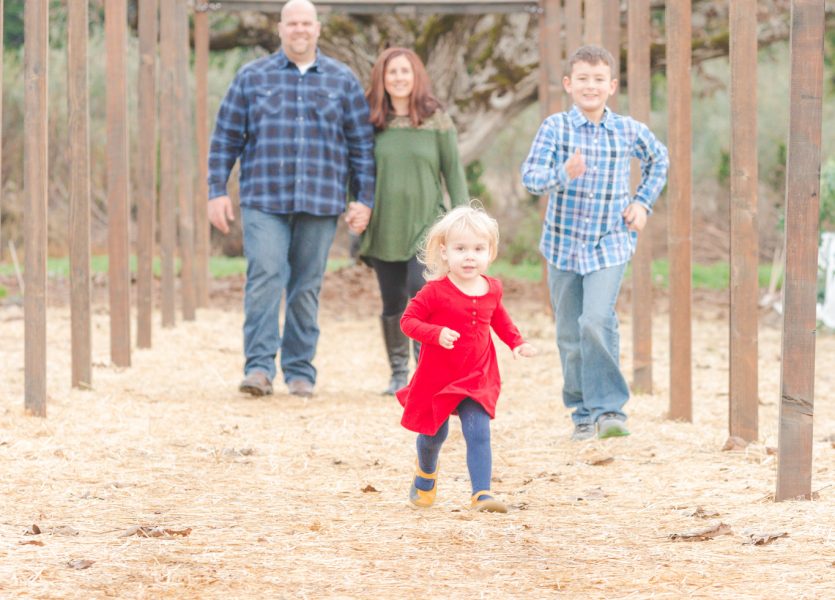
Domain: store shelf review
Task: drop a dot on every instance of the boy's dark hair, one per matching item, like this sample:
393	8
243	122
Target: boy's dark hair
593	55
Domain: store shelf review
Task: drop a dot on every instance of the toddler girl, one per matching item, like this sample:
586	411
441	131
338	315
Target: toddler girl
457	372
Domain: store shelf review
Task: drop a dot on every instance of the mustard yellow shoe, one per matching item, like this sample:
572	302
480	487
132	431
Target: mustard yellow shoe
423	498
488	504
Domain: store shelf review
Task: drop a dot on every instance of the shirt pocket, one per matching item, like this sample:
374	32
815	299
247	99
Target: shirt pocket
267	102
326	105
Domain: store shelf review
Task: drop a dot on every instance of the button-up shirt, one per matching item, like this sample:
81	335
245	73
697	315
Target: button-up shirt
584	229
304	140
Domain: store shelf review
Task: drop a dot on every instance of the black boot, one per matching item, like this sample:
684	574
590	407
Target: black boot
397	348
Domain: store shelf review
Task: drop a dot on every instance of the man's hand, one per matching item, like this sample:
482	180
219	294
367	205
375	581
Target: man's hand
448	337
525	350
357	217
220	213
576	165
635	216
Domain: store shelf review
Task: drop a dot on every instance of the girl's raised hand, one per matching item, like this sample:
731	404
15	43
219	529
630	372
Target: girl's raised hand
448	337
526	350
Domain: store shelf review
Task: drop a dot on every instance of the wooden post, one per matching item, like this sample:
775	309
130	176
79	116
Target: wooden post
35	172
797	369
168	161
79	233
550	89
201	126
147	170
573	37
610	27
593	22
743	402
185	161
639	108
118	203
679	33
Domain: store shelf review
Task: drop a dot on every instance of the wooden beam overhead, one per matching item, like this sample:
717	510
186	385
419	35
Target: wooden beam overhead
387	6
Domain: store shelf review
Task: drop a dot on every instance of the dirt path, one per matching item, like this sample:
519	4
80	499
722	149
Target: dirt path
281	497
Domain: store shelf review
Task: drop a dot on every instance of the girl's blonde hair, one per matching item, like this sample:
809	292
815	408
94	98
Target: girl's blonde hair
470	218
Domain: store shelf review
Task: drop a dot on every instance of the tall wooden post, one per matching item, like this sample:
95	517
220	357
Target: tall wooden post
593	22
572	15
168	161
79	233
679	33
118	202
744	259
35	172
201	127
797	369
185	162
146	203
1	124
639	108
610	27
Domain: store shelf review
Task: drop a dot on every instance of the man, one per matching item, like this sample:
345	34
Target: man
298	121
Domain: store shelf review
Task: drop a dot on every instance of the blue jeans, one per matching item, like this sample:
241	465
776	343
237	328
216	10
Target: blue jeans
589	342
283	251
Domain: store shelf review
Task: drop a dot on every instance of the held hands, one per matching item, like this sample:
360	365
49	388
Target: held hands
635	216
448	337
357	217
576	165
525	350
221	213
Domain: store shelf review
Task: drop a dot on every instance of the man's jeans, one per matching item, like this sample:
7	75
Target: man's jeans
589	342
283	251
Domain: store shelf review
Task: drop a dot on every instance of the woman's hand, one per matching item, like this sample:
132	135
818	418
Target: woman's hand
526	350
448	337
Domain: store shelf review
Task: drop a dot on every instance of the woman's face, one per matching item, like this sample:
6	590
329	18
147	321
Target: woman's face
399	78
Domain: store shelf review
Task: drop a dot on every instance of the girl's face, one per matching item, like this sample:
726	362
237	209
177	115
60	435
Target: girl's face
399	79
467	254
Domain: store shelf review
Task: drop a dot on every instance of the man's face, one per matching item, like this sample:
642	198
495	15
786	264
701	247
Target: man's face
590	86
299	31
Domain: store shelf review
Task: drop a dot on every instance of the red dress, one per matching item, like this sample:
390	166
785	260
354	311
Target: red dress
469	370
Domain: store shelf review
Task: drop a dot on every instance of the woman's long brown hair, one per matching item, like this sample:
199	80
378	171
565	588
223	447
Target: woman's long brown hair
422	103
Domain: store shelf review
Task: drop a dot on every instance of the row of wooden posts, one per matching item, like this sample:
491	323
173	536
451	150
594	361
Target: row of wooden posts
184	231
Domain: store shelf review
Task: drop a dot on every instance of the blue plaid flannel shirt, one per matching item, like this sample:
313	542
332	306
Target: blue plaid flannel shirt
304	140
584	230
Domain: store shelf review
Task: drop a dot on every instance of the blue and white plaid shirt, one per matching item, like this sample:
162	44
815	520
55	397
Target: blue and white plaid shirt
584	230
303	140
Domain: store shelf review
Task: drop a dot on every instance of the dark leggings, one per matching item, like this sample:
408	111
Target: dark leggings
399	282
475	424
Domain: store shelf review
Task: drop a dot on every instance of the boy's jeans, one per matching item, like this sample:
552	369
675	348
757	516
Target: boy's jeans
283	251
589	342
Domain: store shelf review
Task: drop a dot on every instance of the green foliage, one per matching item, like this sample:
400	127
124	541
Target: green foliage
13	23
715	276
3	292
827	197
723	169
520	242
475	186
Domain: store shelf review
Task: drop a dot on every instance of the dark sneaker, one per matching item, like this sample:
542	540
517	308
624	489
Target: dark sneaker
256	383
300	387
611	425
582	431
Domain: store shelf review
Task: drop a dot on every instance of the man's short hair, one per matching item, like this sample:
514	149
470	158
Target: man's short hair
593	55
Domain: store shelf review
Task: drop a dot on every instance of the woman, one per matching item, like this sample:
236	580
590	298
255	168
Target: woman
416	146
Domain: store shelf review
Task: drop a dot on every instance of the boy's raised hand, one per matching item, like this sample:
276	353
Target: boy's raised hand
448	337
526	350
635	216
575	166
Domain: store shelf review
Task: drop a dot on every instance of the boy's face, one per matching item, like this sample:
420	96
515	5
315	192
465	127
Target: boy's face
590	86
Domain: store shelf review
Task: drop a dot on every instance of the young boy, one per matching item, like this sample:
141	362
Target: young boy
581	158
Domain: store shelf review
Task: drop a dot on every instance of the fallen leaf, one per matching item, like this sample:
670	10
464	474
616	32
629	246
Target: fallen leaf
31	543
701	535
80	563
369	488
33	530
763	539
734	443
600	461
150	531
700	513
771	450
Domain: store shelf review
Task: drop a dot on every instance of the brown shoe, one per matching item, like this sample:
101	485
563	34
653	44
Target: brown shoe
300	387
256	383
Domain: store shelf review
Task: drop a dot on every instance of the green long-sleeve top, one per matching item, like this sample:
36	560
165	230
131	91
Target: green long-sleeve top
409	197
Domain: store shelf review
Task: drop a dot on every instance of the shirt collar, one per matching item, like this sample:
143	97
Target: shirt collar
284	62
578	118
